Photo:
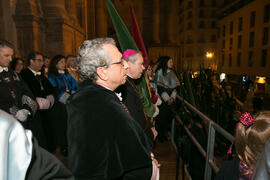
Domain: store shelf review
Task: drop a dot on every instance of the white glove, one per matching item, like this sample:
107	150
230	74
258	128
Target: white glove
156	168
156	112
64	97
43	103
165	96
159	102
51	99
174	93
22	115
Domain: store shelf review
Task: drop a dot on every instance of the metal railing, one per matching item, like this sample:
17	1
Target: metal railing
212	128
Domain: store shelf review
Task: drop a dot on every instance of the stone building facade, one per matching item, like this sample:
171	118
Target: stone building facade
60	26
198	33
244	38
51	26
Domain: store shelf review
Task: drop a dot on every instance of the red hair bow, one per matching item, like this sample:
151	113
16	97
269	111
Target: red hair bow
246	119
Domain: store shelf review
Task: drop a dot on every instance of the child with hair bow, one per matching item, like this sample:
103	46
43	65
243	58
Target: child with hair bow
251	134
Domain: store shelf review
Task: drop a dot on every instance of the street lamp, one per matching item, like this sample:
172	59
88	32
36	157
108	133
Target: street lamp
209	56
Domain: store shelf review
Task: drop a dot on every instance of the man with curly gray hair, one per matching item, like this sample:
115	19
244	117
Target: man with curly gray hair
105	142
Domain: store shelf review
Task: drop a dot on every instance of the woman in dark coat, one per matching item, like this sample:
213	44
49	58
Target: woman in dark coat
64	85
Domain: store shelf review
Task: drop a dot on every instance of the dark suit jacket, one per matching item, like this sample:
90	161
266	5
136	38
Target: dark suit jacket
34	84
132	100
40	125
23	97
104	140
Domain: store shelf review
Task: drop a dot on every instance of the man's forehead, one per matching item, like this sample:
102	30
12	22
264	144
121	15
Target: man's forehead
6	49
112	50
108	47
39	56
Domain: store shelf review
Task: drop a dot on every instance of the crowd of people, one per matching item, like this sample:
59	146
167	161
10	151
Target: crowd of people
95	108
218	101
103	110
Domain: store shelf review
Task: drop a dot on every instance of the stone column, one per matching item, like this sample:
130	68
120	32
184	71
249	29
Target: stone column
72	10
91	19
29	26
62	35
55	9
172	22
101	19
156	21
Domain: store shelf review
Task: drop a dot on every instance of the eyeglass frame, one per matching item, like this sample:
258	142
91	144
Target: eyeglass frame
119	62
39	60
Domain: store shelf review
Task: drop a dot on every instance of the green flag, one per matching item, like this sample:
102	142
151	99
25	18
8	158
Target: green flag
124	37
126	41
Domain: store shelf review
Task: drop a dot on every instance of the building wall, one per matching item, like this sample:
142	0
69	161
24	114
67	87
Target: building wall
49	26
198	33
243	64
60	26
8	28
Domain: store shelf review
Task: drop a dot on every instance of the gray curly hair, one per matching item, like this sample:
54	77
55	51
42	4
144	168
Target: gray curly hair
91	55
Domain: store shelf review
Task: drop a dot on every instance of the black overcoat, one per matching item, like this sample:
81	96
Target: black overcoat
105	142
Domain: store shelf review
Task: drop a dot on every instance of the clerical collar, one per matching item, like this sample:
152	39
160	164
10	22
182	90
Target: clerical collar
61	71
119	95
130	76
35	72
3	69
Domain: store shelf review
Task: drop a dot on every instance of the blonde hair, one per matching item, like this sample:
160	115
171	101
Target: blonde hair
250	141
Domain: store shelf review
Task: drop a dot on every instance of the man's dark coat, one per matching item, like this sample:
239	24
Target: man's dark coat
105	142
132	100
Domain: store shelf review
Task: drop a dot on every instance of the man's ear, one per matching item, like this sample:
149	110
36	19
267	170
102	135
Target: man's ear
102	73
31	60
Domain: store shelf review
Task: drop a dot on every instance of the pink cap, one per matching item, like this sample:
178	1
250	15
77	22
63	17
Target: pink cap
129	52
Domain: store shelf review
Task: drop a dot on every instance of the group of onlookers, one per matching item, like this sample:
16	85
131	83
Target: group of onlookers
51	82
99	112
72	108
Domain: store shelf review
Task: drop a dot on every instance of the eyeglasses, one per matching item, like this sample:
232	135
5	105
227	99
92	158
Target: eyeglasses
119	62
39	60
